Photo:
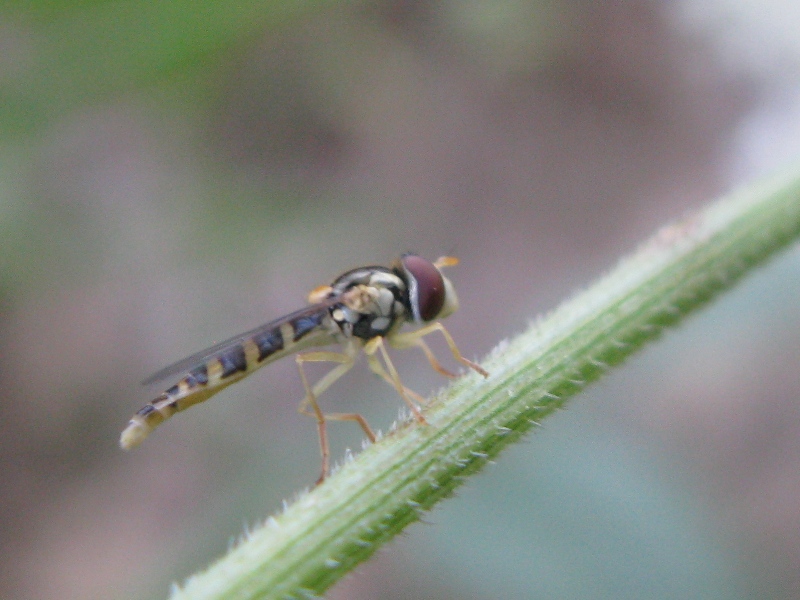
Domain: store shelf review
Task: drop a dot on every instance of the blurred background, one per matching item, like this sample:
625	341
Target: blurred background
173	173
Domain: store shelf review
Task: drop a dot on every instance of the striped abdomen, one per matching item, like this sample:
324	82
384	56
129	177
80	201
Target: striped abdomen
214	369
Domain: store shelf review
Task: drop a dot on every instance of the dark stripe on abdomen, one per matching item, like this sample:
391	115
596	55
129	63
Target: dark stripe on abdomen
232	361
146	410
268	343
305	324
197	377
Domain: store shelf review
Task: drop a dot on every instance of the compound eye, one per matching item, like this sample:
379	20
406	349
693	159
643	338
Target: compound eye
426	288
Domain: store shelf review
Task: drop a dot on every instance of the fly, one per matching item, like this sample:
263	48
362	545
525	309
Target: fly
363	309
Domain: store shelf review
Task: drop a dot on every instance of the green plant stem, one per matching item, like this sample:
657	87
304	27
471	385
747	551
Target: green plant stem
328	531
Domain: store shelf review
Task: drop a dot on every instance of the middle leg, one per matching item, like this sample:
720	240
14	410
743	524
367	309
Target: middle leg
309	405
391	376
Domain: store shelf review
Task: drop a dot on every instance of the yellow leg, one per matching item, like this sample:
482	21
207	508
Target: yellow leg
437	366
414	338
346	363
391	375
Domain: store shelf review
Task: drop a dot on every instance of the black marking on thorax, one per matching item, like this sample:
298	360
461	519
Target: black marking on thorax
383	315
363	328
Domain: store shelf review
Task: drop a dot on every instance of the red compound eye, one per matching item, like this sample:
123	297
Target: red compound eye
426	289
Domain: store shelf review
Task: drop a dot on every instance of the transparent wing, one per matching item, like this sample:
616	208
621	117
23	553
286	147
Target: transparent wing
220	348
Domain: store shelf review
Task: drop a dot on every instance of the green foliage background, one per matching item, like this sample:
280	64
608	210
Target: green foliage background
174	172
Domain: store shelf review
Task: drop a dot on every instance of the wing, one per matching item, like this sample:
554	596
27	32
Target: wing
304	326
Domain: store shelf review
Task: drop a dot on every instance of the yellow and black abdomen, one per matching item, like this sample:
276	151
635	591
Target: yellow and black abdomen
227	363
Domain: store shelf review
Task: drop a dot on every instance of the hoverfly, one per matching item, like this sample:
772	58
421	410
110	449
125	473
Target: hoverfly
363	309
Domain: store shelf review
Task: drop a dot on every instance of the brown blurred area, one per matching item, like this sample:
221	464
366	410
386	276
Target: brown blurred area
536	141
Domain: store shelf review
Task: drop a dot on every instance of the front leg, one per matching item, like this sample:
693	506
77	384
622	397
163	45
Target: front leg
414	338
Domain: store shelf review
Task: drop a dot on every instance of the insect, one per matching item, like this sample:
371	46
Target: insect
363	309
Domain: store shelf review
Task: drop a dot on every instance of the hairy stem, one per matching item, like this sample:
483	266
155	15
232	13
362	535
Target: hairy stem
328	531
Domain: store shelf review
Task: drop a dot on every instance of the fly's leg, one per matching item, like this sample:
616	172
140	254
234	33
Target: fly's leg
414	338
309	405
310	399
434	362
390	375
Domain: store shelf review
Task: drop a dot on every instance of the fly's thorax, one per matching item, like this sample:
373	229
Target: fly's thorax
375	301
371	302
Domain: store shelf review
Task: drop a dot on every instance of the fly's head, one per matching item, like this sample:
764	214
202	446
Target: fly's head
373	301
430	295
